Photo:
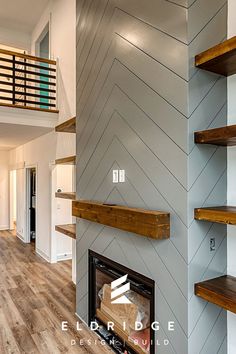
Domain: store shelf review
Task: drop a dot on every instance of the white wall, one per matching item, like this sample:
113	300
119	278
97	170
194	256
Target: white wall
231	179
4	204
62	16
39	152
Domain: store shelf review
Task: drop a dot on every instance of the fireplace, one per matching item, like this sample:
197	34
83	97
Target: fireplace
121	306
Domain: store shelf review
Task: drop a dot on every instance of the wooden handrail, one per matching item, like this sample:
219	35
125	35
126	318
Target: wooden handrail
29	57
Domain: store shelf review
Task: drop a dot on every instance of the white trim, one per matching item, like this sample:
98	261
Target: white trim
81	319
44	31
27	215
42	255
53	240
85	323
74	261
4	227
20	237
64	256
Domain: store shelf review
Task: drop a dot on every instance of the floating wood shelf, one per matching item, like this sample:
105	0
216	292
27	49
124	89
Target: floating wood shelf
225	136
220	59
153	224
219	291
67	127
66	195
222	214
70	160
68	230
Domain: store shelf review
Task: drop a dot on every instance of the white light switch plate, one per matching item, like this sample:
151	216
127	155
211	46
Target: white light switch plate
121	176
115	176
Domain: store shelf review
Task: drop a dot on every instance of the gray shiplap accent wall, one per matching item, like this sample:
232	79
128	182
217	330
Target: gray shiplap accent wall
139	99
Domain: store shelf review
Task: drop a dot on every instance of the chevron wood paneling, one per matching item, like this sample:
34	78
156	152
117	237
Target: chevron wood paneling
139	102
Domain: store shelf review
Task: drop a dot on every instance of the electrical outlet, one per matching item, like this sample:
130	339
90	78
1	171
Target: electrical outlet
115	176
121	176
212	244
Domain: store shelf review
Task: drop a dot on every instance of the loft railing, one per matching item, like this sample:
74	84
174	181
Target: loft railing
27	81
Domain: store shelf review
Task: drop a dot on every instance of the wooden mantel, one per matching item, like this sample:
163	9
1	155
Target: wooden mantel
149	223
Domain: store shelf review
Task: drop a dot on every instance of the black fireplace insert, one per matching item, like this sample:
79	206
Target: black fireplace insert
121	304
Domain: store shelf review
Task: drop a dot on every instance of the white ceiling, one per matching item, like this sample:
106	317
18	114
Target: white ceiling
13	135
21	15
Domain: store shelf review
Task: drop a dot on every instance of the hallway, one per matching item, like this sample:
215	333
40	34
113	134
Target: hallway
35	297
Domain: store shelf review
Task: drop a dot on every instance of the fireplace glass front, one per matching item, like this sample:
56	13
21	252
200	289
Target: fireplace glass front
121	302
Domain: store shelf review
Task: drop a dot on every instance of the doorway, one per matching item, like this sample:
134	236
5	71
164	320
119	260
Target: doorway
31	204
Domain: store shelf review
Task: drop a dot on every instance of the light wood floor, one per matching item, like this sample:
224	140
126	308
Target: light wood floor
35	297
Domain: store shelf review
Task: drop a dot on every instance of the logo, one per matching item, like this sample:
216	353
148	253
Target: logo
118	291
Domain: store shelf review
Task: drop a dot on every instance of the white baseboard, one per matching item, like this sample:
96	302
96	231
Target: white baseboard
60	257
81	319
64	256
4	227
43	255
20	237
76	314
